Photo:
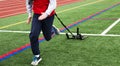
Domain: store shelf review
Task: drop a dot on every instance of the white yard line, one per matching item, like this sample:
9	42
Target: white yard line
11	31
112	35
110	27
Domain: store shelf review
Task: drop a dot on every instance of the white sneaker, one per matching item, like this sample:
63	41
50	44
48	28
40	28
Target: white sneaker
36	60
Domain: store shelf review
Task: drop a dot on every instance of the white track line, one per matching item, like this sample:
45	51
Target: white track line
110	27
2	0
11	31
13	10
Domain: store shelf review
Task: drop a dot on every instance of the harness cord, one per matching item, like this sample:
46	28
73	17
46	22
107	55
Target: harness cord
63	24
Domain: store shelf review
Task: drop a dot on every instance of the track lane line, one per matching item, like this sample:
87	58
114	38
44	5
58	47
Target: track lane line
79	6
12	25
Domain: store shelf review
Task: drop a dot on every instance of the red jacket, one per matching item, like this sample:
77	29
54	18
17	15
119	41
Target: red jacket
40	6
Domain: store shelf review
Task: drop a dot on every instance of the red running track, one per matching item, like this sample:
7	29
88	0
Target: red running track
15	7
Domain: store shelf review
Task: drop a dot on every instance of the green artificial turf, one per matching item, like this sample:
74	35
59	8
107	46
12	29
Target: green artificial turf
93	51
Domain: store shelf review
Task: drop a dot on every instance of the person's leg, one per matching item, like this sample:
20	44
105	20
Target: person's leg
47	27
35	31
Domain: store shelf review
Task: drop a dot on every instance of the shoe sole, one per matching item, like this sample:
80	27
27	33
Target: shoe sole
37	62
